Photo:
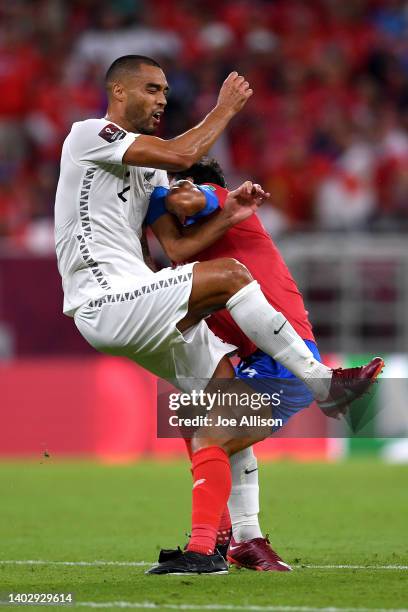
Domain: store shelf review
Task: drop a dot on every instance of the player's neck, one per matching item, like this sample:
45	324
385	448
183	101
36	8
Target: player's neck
118	119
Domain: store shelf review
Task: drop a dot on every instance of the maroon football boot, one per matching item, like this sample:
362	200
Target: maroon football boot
256	554
348	384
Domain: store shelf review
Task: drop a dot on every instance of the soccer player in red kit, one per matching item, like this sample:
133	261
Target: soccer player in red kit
199	193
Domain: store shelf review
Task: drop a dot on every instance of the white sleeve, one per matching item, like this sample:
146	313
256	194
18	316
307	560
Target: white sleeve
162	180
97	140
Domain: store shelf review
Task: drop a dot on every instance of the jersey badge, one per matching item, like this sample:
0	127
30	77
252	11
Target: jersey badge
112	133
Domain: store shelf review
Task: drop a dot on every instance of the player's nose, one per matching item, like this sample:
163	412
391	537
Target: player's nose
161	99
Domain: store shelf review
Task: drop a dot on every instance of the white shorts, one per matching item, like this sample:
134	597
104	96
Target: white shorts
141	324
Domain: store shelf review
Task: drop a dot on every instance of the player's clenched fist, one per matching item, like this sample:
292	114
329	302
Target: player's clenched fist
234	93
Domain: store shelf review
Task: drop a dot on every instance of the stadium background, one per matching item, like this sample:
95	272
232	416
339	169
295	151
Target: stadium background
326	133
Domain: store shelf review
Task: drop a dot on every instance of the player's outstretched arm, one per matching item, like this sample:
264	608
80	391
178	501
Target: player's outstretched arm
181	244
239	204
183	151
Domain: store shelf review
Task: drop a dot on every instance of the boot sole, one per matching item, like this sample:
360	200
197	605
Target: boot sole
255	568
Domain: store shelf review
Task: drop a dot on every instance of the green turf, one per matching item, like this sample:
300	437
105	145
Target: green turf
349	513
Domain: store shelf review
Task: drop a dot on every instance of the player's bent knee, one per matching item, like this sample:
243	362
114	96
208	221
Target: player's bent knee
236	275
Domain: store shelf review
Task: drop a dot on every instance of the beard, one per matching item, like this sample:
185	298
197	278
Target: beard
147	131
140	123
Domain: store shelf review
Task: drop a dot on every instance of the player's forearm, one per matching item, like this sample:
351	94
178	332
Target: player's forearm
183	151
196	142
193	240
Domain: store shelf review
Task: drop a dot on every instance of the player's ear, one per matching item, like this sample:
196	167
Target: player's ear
118	91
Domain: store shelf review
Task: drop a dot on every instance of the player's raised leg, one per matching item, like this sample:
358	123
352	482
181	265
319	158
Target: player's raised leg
227	283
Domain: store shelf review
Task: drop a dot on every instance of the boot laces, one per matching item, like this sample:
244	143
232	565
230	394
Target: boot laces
347	373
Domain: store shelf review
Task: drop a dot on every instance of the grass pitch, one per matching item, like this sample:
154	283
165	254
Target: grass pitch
351	514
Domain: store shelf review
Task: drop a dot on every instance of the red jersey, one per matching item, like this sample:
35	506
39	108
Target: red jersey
250	244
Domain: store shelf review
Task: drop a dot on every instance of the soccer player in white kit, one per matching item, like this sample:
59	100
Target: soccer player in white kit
109	167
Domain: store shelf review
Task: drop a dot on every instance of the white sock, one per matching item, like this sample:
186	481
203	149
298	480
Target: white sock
273	334
243	503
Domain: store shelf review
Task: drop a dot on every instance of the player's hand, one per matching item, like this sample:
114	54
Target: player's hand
234	93
244	202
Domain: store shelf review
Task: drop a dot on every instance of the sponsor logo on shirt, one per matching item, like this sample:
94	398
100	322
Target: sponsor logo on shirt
111	133
149	175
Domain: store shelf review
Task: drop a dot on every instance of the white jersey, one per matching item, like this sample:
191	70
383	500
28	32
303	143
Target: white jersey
99	210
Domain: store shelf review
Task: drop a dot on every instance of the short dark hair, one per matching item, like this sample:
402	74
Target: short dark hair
126	64
207	170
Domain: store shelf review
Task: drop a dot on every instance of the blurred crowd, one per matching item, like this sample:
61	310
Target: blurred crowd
326	131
